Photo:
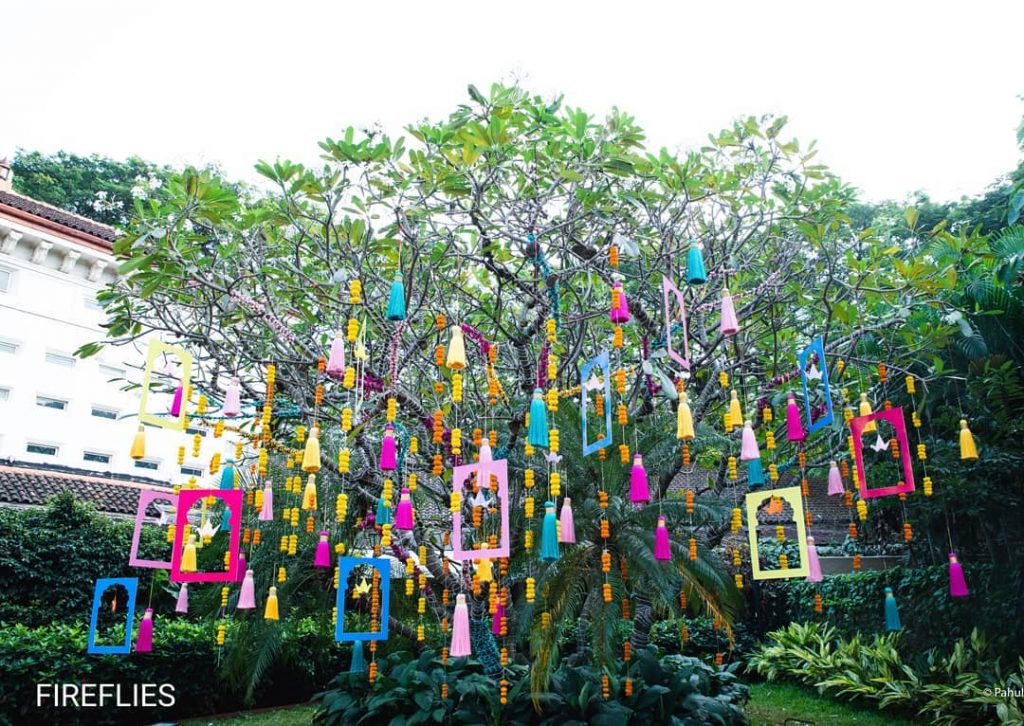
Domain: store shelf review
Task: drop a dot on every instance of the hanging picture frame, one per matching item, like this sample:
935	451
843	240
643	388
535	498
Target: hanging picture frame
232	498
893	416
156	349
345	567
499	469
602	362
131	586
670	291
793	497
147	497
816	348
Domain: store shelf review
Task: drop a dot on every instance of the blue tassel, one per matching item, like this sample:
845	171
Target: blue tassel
358	659
538	433
892	614
549	534
225	521
227	477
696	274
396	302
383	513
755	473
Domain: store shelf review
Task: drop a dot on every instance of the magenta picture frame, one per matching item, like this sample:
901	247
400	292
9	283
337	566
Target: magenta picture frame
895	417
186	498
460	474
147	497
667	286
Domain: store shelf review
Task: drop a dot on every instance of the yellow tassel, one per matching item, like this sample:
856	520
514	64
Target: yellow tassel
684	419
968	450
270	612
311	455
188	556
456	359
139	443
735	412
865	409
309	495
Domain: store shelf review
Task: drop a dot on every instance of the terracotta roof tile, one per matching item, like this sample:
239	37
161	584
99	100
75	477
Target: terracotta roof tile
25	486
59	216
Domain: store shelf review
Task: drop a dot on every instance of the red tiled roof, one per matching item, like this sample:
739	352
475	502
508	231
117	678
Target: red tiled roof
59	216
26	486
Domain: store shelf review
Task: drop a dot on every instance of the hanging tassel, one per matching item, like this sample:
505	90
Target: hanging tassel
567	526
270	612
311	454
835	480
749	449
456	359
662	547
485	570
460	645
549	534
144	640
247	593
227	475
232	399
383	514
696	273
730	325
865	410
639	491
188	556
322	558
242	568
267	512
957	583
735	410
755	473
485	456
358	664
537	435
813	564
181	606
968	450
396	300
225	520
176	405
388	450
684	419
309	501
892	613
794	426
619	313
404	518
139	443
499	615
336	361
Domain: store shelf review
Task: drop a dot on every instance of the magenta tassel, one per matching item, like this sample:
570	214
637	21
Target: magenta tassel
621	313
323	552
749	450
247	595
404	515
813	565
182	605
241	567
267	512
957	583
176	403
662	548
388	453
639	492
730	325
336	361
460	629
499	613
835	480
794	426
232	402
567	526
144	640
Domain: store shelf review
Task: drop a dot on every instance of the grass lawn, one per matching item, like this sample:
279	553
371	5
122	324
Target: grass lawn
773	703
300	715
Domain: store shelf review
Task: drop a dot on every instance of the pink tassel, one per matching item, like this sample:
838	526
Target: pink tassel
247	595
639	492
730	325
620	314
388	453
460	629
662	548
794	426
267	512
835	480
499	613
404	515
241	567
749	450
336	361
957	583
176	403
144	640
182	604
323	552
813	565
232	402
567	526
485	455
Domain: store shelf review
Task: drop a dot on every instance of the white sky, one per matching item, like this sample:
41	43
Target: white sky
901	95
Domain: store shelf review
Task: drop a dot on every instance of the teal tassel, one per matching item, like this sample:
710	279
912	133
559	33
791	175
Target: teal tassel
227	477
538	432
892	614
696	274
549	535
225	521
396	301
755	473
358	659
383	513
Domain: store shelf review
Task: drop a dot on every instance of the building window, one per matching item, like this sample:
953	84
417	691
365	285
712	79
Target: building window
191	471
5	394
60	359
101	412
6	346
42	449
6	277
145	464
112	371
98	458
54	403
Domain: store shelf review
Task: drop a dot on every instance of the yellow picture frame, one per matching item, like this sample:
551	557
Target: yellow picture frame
754	500
157	348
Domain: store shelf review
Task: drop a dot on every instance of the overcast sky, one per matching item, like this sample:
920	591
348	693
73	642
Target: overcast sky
900	95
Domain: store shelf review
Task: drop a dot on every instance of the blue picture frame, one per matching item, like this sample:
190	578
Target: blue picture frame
816	347
603	362
131	585
345	567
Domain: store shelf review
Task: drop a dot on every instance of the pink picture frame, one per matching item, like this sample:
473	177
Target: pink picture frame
895	417
186	498
460	474
147	497
667	286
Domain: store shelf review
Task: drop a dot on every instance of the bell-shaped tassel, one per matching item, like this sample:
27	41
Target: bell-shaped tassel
957	583
662	547
232	398
181	605
835	480
311	454
968	450
485	456
225	520
404	518
485	569
144	639
388	450
755	473
639	491
499	614
267	511
188	555
794	425
460	645
456	359
336	361
176	402
396	300
243	567
566	524
892	613
358	664
696	273
270	611
549	534
383	514
813	564
322	558
730	325
227	475
865	410
139	443
537	435
684	419
735	410
309	500
247	593
619	313
749	449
